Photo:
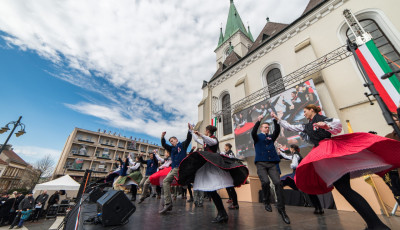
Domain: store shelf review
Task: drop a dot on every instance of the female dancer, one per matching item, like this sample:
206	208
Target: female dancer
210	171
132	178
334	160
288	179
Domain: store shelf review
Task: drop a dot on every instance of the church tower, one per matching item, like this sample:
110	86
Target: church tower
236	38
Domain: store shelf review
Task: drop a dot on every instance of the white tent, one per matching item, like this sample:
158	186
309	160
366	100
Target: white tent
62	183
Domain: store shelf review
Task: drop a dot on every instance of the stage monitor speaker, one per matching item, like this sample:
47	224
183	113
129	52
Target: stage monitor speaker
115	208
95	194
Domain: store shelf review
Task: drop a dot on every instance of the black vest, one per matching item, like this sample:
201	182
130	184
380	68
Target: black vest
317	135
211	148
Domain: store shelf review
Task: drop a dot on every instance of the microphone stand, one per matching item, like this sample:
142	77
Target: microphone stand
368	83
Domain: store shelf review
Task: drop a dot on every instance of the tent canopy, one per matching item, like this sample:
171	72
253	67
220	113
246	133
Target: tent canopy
62	183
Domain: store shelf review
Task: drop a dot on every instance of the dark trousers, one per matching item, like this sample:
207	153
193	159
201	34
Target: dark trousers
16	219
265	169
232	195
37	213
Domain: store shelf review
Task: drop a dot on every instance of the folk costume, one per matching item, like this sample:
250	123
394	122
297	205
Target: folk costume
334	160
209	171
178	153
152	166
266	161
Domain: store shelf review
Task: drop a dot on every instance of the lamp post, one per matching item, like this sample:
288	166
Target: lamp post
6	128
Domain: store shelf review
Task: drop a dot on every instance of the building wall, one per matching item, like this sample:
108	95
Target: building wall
339	86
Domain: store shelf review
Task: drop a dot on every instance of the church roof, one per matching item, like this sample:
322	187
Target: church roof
269	30
311	5
233	24
232	59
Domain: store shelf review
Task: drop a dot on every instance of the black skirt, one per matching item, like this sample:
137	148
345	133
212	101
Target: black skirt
195	160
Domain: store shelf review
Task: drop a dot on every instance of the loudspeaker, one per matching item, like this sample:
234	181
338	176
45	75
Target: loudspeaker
115	208
95	194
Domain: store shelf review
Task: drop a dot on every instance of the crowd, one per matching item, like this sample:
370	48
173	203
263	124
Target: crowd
16	208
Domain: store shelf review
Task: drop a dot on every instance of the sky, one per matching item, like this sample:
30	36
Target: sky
127	66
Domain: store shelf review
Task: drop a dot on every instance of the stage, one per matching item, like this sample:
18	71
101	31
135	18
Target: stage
250	216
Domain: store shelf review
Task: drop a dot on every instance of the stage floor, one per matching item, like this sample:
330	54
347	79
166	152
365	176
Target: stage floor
250	216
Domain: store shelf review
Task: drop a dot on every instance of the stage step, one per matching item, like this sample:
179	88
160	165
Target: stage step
57	223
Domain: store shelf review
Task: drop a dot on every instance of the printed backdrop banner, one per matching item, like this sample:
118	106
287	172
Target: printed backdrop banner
288	105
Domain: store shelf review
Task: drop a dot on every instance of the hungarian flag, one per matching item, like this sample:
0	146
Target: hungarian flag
375	66
214	121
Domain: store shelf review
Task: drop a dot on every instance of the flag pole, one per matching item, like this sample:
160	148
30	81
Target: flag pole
368	83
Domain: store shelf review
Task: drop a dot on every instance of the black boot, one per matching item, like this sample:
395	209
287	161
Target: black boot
134	192
285	217
222	217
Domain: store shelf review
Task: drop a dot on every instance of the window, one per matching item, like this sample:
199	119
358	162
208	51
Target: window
226	116
381	41
275	82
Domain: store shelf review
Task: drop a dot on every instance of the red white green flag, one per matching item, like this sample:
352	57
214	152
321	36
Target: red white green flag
376	66
214	121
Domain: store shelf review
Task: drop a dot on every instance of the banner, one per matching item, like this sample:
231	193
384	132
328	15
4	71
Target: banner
288	105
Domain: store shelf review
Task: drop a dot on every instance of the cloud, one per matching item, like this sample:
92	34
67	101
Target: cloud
146	58
34	152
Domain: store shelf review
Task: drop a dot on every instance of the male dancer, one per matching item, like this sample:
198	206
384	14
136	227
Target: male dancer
152	165
178	153
266	162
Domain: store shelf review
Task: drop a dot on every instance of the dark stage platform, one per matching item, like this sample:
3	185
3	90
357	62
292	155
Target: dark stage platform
250	216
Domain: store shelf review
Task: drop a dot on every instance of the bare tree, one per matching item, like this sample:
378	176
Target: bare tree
45	166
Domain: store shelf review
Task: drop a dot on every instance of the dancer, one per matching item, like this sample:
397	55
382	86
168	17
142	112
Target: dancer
334	160
288	179
266	161
132	176
210	171
152	165
178	152
231	190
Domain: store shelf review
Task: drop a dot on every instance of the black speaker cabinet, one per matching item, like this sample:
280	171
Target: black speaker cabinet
115	208
95	194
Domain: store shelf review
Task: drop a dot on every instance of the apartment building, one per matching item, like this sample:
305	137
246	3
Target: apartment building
98	151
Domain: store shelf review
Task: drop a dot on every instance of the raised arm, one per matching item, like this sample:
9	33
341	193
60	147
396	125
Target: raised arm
196	138
141	160
255	129
186	143
164	143
277	130
158	158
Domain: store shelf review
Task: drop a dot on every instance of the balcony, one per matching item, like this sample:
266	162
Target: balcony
109	145
104	157
81	155
84	140
101	170
131	148
75	169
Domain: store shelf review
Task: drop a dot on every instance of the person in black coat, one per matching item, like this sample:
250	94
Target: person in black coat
5	209
40	203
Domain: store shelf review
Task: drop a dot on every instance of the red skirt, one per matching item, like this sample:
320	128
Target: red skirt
158	177
355	153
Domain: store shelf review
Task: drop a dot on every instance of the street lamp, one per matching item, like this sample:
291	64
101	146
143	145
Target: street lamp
6	128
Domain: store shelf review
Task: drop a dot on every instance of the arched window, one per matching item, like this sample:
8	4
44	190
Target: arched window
226	116
381	41
275	82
